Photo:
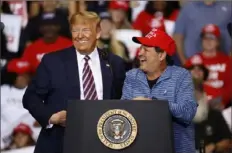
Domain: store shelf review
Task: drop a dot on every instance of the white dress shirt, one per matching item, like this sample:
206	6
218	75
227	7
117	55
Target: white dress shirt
95	66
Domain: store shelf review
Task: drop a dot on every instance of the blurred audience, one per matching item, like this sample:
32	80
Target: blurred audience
49	10
218	84
5	57
97	6
21	71
210	125
153	13
5	8
108	41
21	137
118	11
193	17
49	42
12	111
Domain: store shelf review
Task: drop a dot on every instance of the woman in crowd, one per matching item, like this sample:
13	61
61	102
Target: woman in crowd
108	41
118	11
218	85
211	130
12	111
21	137
155	10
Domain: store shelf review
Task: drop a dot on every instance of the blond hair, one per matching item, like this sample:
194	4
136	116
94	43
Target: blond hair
86	16
115	47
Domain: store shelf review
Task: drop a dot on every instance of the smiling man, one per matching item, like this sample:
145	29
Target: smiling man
81	72
158	78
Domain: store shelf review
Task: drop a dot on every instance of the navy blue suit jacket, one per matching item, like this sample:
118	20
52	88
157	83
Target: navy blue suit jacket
55	82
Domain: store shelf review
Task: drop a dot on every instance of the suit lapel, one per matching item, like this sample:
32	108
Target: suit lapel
72	73
107	77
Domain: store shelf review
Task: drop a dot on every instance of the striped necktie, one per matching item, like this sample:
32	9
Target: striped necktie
89	88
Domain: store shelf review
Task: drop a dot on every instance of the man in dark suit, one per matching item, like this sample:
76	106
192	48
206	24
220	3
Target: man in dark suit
81	72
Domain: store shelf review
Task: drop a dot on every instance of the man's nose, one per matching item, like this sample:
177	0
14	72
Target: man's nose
80	35
141	52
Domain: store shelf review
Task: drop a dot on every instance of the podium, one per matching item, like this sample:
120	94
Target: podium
113	126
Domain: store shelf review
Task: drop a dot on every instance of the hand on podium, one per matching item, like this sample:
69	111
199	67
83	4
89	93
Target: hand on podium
59	118
141	98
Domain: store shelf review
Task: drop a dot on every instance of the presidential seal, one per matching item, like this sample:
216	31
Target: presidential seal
117	129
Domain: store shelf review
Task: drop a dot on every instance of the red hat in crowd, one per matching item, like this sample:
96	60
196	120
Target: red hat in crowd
194	60
24	128
115	4
18	66
197	60
157	38
211	30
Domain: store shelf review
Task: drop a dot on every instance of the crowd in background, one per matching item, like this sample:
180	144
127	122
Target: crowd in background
203	47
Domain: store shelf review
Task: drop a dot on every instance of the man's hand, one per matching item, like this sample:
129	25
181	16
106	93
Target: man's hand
59	118
141	98
209	148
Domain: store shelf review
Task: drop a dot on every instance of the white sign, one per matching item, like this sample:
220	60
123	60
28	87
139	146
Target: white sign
12	30
169	27
19	7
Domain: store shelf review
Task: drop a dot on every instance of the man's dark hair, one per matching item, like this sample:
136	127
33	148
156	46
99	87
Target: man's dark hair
170	7
169	59
203	68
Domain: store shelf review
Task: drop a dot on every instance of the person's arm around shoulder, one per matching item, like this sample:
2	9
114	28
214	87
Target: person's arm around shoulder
118	67
184	107
127	89
35	94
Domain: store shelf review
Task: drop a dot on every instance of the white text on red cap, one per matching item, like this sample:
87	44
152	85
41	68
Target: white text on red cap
22	64
122	3
151	34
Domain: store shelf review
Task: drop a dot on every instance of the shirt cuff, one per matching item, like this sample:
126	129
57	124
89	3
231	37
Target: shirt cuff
49	125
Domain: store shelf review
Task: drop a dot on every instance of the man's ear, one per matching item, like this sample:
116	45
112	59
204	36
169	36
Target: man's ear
162	56
98	32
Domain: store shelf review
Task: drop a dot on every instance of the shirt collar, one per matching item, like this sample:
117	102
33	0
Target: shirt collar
93	55
165	75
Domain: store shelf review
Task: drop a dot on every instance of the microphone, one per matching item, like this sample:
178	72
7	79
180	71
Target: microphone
104	54
229	28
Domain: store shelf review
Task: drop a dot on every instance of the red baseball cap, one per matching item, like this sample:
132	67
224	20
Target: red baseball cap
115	4
18	66
24	128
211	30
157	38
193	61
197	61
